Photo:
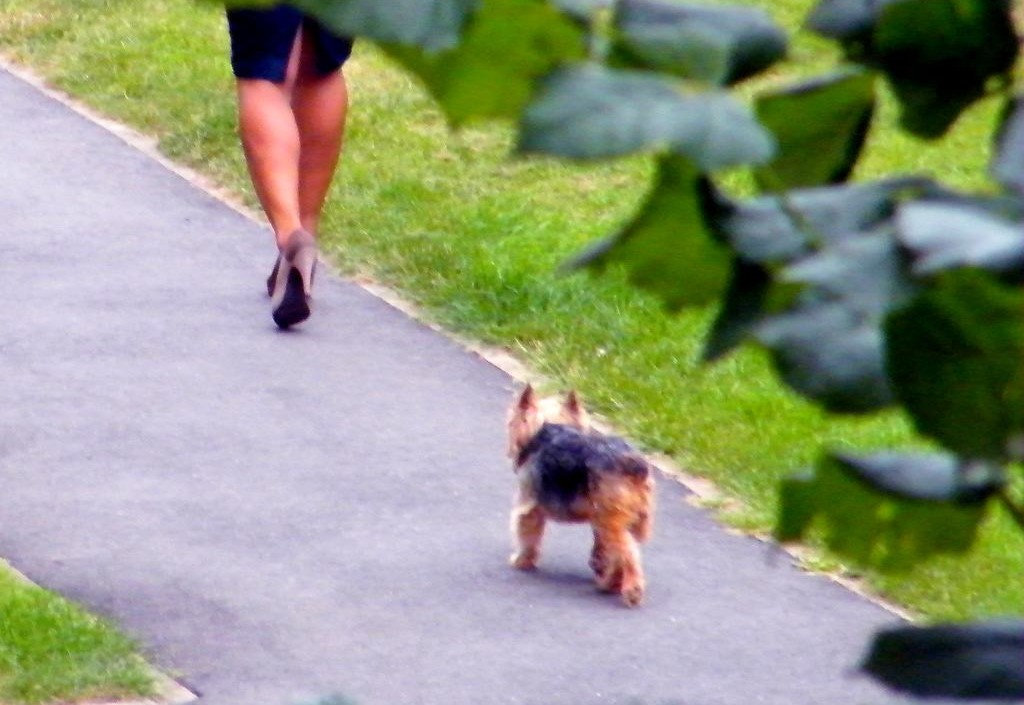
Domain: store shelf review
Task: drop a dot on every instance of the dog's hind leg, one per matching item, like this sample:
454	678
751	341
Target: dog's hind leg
641	528
527	530
622	571
597	557
633	585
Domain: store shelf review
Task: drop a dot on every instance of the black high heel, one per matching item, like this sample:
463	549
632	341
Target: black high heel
272	279
292	288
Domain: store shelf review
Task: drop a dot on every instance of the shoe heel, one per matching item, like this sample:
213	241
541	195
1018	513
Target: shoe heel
293	286
276	287
304	261
272	279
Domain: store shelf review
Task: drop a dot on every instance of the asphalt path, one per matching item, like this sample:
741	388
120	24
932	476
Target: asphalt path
280	516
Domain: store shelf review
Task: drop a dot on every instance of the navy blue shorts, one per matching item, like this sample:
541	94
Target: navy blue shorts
262	41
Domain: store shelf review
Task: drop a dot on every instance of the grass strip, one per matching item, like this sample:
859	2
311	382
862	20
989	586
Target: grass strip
51	650
474	238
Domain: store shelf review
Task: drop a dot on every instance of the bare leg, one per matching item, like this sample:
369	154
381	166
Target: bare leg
271	141
320	104
292	135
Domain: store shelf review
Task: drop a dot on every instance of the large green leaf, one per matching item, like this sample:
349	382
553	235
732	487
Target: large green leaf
865	274
582	9
943	235
716	44
1008	155
820	126
982	661
846	20
956	360
829	353
872	527
939	55
587	111
935	477
829	345
668	248
778	229
430	24
506	47
741	310
837	244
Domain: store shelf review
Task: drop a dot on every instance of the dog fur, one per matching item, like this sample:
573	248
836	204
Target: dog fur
570	473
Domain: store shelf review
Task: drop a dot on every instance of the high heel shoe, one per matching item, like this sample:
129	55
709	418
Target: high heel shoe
290	299
272	279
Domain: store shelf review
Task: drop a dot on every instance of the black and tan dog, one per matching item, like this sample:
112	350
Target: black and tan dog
568	472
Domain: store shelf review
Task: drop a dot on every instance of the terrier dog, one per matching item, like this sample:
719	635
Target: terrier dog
570	473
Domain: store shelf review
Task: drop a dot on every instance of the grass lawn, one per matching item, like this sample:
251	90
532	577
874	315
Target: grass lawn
51	650
474	237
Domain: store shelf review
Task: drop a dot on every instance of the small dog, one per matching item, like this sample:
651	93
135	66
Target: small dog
568	472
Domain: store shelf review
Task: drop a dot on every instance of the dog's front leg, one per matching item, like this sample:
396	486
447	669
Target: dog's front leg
527	531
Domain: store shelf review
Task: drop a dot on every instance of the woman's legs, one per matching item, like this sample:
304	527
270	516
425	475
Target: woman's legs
271	141
320	104
292	134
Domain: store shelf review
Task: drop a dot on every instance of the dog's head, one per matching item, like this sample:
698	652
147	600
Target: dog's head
528	413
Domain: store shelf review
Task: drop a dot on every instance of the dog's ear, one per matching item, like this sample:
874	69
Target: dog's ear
527	400
522	421
574	408
572	402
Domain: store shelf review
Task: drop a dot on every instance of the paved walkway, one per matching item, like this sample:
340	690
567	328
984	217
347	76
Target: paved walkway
278	516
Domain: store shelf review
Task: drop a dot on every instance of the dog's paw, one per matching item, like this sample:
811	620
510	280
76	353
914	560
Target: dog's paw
633	596
609	580
523	560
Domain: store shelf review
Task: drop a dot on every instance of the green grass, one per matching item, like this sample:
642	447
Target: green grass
51	650
474	237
